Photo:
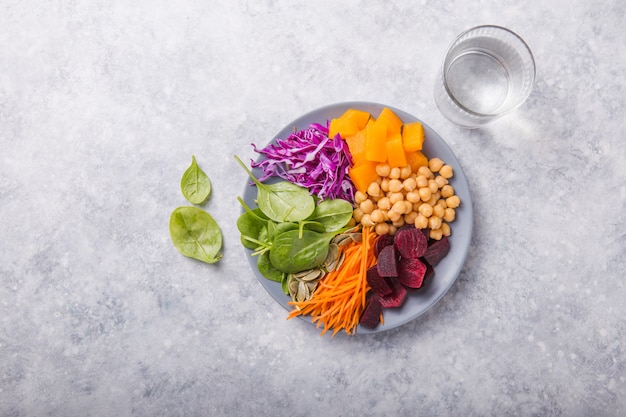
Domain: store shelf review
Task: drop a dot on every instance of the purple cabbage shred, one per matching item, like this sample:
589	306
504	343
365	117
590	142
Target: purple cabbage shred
311	159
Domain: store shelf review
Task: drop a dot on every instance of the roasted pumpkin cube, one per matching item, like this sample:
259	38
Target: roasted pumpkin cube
363	174
376	142
391	120
395	151
413	136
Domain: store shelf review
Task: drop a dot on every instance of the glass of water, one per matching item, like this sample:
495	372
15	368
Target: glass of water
487	72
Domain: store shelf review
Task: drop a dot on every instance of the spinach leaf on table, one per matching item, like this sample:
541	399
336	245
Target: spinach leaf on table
196	234
195	184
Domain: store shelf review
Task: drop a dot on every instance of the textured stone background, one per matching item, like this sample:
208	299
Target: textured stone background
102	105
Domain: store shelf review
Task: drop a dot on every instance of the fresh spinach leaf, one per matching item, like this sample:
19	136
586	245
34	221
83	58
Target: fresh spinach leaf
332	214
282	201
195	234
195	184
290	253
267	269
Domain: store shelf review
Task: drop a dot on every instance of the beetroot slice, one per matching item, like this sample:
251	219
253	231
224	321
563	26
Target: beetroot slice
411	242
381	242
371	315
386	263
397	296
437	250
412	272
378	284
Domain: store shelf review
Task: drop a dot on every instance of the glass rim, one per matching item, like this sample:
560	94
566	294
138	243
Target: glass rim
456	39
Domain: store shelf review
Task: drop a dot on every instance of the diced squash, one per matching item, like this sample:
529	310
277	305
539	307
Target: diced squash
363	174
376	142
416	159
349	123
391	120
412	136
357	117
395	151
344	127
356	145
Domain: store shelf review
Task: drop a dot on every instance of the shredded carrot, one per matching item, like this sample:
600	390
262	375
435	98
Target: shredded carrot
341	296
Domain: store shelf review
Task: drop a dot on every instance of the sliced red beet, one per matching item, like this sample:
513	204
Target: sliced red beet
412	272
387	262
383	240
378	284
437	250
397	296
371	315
411	242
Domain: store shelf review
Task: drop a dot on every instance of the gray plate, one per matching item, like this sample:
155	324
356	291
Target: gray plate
446	272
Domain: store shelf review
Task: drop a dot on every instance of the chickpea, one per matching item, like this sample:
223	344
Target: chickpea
392	230
405	172
394	173
425	171
449	214
384	203
441	181
366	220
445	229
408	207
409	218
398	223
446	171
359	197
398	207
438	210
421	222
425	193
385	215
394	215
421	181
367	206
426	210
357	214
395	185
416	206
384	184
382	229
453	201
373	190
432	184
436	234
442	203
377	216
409	184
383	169
435	164
447	191
434	222
395	197
413	196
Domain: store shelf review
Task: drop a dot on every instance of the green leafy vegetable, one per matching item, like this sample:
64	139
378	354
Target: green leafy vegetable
282	201
196	234
332	214
291	253
195	184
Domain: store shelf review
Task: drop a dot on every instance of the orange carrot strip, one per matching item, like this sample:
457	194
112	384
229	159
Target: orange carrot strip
341	295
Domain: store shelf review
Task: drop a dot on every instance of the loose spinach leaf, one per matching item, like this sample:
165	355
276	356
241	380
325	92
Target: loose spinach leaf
332	214
290	253
195	184
196	234
282	201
